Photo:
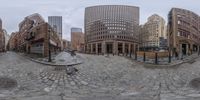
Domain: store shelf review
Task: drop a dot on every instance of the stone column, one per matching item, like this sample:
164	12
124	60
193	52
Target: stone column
91	48
188	49
180	51
115	47
129	48
96	48
103	47
134	49
123	48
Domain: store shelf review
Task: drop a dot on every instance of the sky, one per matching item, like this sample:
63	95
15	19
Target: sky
12	12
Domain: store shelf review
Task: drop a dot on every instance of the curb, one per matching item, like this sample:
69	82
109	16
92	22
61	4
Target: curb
45	63
161	65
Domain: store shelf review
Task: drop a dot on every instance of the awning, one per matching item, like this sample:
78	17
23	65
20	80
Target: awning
53	43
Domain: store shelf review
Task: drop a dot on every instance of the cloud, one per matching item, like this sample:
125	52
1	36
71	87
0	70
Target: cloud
12	12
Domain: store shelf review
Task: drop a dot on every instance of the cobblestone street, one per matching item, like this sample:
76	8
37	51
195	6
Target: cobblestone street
97	78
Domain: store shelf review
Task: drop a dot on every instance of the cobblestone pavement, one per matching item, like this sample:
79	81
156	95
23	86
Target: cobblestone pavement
98	78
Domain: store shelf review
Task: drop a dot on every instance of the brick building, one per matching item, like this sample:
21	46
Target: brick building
33	37
12	43
183	31
77	39
3	34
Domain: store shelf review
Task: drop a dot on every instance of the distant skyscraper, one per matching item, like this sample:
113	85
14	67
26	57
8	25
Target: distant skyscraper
2	38
56	24
152	30
77	39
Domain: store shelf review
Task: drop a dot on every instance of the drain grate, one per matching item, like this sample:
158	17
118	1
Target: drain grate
195	83
7	83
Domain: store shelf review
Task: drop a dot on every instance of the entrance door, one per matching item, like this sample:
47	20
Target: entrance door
29	49
184	49
120	48
109	48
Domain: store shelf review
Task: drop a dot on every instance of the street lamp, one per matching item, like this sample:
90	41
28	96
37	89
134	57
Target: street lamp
49	33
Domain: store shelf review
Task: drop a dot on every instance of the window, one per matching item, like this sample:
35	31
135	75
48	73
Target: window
179	22
178	34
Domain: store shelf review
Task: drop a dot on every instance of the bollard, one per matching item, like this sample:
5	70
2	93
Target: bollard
135	55
169	57
156	58
144	57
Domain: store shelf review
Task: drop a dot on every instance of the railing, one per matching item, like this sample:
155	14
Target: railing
153	57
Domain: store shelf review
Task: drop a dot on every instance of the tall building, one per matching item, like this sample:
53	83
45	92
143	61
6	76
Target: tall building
154	33
111	29
77	39
3	38
7	37
56	24
183	31
34	37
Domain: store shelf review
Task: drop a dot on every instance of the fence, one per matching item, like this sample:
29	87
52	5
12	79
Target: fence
153	57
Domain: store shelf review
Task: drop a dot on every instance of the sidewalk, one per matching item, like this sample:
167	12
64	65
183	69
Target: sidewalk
60	59
164	61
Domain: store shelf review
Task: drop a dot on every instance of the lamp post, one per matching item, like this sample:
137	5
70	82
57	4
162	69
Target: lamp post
49	33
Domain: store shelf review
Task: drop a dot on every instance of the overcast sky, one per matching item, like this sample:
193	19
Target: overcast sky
12	12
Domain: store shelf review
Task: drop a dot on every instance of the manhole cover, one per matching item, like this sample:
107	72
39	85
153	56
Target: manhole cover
195	83
7	83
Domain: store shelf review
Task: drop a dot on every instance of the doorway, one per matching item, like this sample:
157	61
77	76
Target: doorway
109	47
184	49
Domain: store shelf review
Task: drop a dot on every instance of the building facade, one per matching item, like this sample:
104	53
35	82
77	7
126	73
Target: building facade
12	42
66	44
183	32
56	24
154	33
111	29
3	38
77	39
34	36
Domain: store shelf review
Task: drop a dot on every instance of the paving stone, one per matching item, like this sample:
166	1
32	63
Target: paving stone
100	72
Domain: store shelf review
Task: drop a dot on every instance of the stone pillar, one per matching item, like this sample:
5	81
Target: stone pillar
129	48
115	49
97	48
180	51
91	48
103	47
123	48
188	49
